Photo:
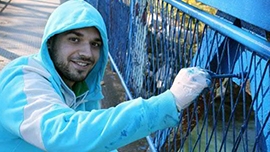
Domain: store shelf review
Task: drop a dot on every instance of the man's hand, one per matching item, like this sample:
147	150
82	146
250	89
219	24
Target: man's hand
188	84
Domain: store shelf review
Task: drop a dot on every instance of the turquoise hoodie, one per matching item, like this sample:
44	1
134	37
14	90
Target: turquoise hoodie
38	112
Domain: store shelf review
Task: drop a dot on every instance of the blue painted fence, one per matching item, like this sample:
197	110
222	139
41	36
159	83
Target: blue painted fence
151	40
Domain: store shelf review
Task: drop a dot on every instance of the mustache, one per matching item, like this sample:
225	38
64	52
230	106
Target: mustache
89	60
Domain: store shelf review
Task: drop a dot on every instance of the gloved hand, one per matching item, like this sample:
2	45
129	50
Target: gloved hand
188	84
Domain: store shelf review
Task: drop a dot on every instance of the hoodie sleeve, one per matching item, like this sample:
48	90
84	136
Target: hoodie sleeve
35	112
107	129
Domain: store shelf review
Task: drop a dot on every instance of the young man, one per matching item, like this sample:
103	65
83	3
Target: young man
50	100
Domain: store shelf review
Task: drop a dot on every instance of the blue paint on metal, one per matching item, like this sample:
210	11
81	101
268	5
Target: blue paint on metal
236	33
252	11
242	46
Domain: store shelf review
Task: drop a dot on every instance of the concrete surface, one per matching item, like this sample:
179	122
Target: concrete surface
21	28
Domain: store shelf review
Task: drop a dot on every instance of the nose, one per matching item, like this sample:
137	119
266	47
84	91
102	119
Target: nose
86	51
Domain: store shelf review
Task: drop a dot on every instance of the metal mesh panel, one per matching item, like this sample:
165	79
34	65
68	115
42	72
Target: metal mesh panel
150	41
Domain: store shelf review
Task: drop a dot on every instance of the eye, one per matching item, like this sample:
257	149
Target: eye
96	44
74	39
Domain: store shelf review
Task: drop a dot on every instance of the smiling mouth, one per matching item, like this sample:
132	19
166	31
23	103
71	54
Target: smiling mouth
82	64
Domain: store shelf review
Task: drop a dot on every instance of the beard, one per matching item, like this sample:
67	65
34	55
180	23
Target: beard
71	75
66	71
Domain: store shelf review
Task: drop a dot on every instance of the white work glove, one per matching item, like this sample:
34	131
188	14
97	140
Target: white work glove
188	84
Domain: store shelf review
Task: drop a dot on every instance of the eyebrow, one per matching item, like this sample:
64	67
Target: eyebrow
74	32
81	35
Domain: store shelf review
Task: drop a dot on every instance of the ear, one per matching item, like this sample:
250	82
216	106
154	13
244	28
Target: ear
49	43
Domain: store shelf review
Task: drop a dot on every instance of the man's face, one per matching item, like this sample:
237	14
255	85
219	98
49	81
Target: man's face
74	53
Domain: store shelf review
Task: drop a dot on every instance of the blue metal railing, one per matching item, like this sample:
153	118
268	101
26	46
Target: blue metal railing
150	41
224	27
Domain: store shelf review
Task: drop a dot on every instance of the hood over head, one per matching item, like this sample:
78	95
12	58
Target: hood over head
75	14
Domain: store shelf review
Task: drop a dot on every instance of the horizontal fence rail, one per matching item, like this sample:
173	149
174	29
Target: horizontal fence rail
151	40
